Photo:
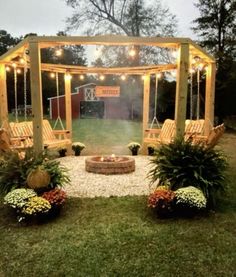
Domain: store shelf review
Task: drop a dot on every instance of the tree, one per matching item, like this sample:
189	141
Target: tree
6	41
216	27
130	17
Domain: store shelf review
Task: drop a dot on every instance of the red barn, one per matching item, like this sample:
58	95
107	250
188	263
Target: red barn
84	103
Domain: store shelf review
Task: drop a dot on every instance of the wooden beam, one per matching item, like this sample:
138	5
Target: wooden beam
3	96
67	79
146	97
181	89
210	97
140	70
36	95
52	41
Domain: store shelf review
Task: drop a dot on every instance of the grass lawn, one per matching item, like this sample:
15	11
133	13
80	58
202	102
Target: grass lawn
121	237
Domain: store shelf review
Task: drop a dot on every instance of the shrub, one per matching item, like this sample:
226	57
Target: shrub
56	197
161	200
18	198
14	170
181	163
36	205
190	197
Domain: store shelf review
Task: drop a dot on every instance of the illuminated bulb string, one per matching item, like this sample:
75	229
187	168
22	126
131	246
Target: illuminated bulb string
15	90
25	90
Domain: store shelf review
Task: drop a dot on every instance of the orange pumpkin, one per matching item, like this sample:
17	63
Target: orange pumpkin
38	178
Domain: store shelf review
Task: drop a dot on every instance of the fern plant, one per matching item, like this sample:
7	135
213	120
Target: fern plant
14	170
182	164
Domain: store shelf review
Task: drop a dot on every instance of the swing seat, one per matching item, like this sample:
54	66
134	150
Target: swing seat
55	138
194	127
51	138
212	139
8	143
164	135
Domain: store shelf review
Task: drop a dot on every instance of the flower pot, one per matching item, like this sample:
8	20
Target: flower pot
151	151
134	152
62	152
77	152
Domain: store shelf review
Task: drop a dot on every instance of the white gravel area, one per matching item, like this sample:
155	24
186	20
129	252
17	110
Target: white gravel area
85	184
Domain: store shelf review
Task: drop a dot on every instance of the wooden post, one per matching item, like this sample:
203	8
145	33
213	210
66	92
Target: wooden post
181	88
68	103
210	97
36	95
3	96
146	96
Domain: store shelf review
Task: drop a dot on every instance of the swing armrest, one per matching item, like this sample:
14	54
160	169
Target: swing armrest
61	132
153	131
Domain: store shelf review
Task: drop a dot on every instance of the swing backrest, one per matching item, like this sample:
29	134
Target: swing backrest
194	127
167	133
48	133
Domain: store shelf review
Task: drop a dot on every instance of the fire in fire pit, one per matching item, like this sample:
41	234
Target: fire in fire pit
110	164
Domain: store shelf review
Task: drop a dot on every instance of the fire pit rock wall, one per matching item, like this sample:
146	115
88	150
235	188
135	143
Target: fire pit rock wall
119	165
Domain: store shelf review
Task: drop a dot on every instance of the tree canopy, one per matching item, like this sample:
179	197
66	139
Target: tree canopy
216	27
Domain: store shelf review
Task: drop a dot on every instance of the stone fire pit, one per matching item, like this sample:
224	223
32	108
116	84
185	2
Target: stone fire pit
110	165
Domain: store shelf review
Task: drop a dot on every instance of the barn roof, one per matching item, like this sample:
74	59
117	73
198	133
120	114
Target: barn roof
76	88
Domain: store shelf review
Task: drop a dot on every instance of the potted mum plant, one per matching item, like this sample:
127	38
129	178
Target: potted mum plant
134	148
77	147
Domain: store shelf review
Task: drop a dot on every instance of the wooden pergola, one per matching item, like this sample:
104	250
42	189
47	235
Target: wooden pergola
186	48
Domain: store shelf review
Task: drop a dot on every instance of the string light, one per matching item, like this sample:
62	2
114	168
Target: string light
68	76
14	65
102	77
123	77
8	68
191	70
132	52
18	70
143	77
201	66
81	77
58	52
52	75
22	60
159	75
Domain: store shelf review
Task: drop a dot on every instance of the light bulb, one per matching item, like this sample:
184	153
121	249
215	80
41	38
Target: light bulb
159	75
58	52
143	77
14	65
68	76
191	70
52	75
22	61
8	68
123	77
173	73
81	77
132	52
102	77
18	70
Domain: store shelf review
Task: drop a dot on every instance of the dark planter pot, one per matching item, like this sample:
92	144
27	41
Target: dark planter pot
77	152
151	151
134	152
62	152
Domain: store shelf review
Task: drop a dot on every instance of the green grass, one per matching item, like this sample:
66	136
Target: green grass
121	237
106	136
